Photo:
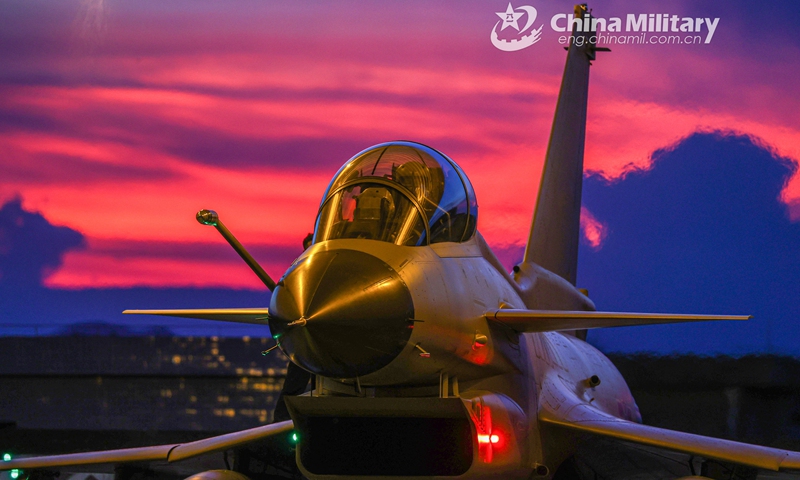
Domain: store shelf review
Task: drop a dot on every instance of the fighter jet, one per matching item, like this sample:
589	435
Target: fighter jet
430	359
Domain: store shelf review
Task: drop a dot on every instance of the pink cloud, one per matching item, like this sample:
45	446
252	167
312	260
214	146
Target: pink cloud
115	144
210	263
594	232
88	270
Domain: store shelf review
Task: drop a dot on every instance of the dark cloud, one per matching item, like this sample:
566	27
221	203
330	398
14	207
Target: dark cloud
318	154
18	119
703	231
208	145
34	28
794	210
215	148
30	247
39	29
53	168
765	21
197	144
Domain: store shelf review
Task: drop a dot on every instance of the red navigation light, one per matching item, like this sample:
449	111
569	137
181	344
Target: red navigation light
498	440
486	445
489	439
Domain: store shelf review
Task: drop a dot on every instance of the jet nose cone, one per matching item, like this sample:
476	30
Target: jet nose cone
341	313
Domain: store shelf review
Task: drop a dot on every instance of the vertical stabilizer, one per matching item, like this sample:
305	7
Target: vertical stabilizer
553	242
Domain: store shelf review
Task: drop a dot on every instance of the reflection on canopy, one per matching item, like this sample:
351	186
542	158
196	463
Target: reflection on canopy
399	192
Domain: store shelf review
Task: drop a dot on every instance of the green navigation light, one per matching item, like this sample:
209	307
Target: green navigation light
6	457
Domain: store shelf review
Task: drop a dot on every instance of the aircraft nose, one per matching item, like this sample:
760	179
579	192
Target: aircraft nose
341	313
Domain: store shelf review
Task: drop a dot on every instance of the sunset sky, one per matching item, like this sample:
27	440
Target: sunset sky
121	119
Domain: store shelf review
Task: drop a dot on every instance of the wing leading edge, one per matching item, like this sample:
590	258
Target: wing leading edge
257	316
159	453
558	320
586	418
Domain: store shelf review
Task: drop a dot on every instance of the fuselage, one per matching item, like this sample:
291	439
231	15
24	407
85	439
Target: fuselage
452	350
389	308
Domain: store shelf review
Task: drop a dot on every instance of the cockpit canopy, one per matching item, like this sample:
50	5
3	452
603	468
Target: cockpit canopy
404	193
